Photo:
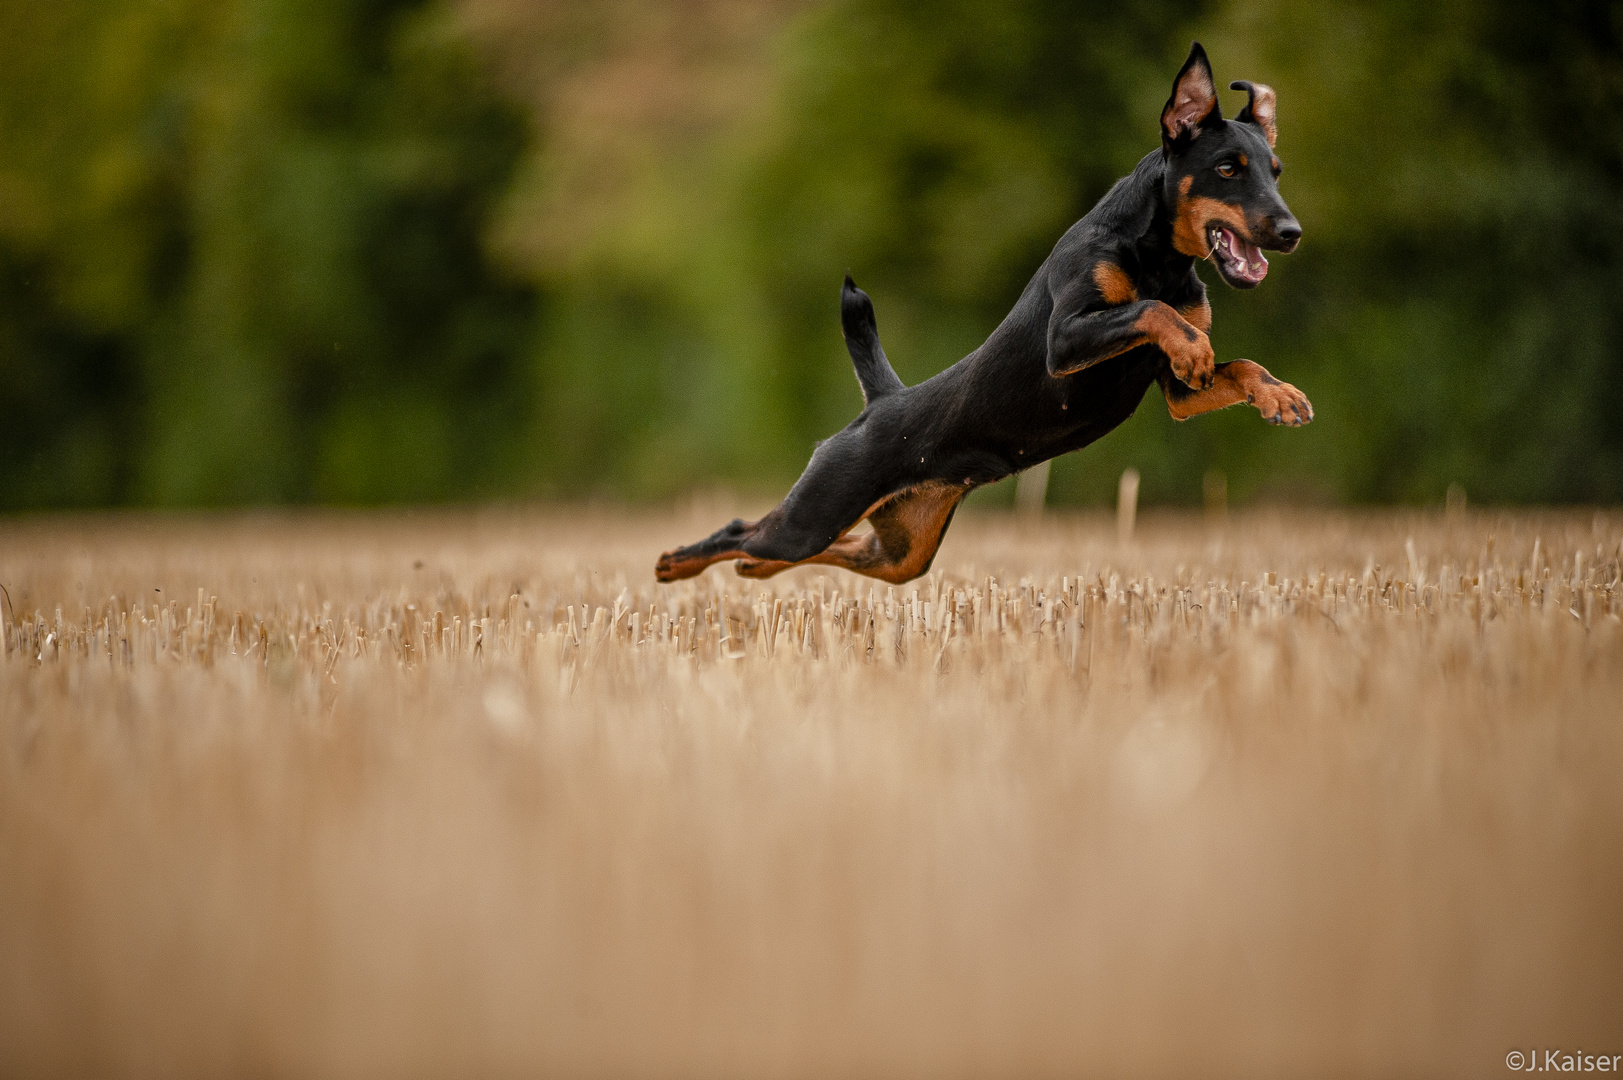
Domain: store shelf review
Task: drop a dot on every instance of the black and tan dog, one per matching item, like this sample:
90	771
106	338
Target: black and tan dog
1116	307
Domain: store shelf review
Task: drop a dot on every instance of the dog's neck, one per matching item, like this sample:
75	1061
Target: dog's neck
1143	210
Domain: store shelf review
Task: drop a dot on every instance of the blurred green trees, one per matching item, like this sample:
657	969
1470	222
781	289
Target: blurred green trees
241	247
390	250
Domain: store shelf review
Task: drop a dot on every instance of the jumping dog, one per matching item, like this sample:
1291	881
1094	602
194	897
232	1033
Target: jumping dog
1116	306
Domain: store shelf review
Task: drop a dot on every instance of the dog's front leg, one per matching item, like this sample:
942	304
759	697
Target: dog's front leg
1078	341
1236	382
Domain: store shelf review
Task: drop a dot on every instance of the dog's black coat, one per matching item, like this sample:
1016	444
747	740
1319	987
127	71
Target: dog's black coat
1069	363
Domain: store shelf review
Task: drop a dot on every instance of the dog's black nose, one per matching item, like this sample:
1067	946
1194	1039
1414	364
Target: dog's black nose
1288	230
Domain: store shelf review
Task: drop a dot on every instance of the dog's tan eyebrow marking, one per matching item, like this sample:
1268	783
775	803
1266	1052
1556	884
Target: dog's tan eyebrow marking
1244	161
1113	283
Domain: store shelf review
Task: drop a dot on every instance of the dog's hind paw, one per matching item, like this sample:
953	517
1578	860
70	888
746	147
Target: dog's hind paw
1281	403
674	566
760	568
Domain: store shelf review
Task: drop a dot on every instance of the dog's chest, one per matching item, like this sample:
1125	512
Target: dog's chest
1176	289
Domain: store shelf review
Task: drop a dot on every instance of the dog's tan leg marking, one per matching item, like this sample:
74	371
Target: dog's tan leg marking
672	566
1114	286
675	565
907	530
1240	382
1187	347
1199	316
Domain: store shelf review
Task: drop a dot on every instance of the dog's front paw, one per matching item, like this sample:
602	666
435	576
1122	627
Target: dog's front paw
1280	402
1193	361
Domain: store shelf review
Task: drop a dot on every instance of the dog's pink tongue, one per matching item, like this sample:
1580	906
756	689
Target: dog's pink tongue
1256	264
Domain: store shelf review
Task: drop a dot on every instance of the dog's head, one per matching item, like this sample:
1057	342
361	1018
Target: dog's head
1222	177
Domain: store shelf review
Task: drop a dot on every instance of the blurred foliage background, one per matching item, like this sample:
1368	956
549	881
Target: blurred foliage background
376	251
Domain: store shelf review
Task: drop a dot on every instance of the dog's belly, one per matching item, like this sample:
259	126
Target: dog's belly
1070	413
989	425
1100	399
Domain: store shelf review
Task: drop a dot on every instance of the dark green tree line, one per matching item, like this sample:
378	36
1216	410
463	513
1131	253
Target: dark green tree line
246	248
242	257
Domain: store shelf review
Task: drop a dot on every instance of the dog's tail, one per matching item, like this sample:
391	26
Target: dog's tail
874	372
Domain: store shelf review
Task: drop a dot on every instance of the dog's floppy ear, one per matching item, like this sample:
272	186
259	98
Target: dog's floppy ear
1193	104
1259	110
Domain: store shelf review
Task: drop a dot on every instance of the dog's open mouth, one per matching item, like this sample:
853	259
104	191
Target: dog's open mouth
1238	260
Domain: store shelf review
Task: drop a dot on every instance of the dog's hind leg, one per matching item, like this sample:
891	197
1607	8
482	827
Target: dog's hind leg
838	489
907	532
690	561
835	492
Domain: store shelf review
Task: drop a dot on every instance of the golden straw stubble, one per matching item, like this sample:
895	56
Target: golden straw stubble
470	794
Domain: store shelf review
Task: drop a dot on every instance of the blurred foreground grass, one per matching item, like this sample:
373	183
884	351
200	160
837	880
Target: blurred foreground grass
430	795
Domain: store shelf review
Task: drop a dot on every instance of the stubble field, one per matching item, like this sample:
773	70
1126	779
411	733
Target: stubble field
467	794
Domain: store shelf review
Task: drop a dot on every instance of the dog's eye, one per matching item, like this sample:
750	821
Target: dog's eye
1226	169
